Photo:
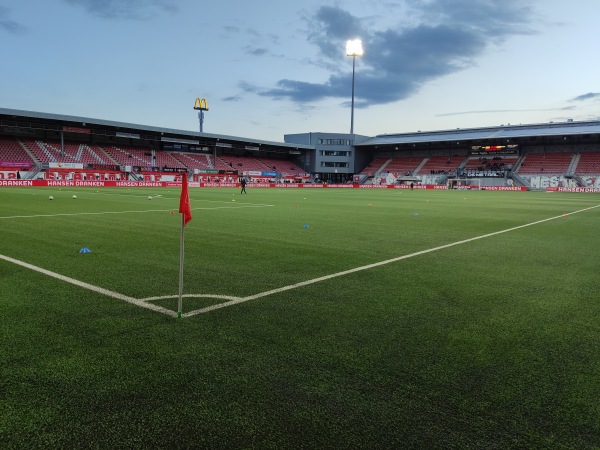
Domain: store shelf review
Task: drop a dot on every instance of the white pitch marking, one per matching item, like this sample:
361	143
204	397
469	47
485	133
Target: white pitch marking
84	214
235	301
166	297
91	287
130	212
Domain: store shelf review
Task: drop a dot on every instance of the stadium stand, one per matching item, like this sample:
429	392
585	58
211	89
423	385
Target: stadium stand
12	150
280	165
41	155
588	164
129	156
50	151
241	163
374	166
569	161
441	165
488	166
193	161
164	159
87	154
403	165
543	163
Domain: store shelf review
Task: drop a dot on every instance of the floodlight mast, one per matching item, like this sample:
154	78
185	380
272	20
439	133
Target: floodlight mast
354	49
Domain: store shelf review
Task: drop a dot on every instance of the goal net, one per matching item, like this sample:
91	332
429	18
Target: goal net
464	183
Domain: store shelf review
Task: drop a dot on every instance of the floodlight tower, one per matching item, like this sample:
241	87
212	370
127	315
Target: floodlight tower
201	105
354	49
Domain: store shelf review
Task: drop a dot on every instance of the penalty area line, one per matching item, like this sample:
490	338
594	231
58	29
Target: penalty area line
371	266
90	287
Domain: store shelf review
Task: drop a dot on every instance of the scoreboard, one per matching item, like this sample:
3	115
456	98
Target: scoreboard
510	149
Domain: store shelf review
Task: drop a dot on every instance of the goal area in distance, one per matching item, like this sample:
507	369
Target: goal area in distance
464	183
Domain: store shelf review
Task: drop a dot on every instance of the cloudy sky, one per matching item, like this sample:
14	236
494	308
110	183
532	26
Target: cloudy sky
270	67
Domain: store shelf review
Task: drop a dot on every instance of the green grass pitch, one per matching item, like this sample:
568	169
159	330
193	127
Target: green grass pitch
489	343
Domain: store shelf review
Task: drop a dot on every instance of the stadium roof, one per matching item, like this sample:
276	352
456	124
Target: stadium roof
20	115
499	132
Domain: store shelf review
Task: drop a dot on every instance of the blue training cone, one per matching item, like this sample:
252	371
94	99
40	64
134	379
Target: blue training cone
85	250
305	226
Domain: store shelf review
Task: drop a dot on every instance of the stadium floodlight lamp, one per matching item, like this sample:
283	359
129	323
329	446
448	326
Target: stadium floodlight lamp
353	48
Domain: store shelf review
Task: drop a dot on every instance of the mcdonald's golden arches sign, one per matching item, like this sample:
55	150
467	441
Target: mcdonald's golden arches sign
201	104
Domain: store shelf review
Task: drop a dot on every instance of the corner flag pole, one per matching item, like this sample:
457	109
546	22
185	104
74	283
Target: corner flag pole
186	216
181	252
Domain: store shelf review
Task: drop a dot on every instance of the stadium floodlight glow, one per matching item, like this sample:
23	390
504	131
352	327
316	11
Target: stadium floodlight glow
353	48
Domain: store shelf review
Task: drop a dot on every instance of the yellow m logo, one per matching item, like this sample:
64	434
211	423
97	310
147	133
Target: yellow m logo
201	104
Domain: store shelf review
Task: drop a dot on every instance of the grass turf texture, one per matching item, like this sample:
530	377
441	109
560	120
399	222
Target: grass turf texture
489	344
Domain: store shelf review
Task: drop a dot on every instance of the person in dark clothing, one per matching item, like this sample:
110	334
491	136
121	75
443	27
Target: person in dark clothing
243	181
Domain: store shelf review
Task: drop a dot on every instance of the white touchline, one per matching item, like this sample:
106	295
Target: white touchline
130	212
91	287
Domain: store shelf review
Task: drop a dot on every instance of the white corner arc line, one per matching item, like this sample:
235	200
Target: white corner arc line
90	287
370	266
167	297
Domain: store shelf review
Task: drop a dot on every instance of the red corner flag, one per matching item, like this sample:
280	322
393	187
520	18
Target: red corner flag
184	201
184	208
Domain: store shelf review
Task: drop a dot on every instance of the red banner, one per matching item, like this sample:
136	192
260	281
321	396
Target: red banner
504	188
173	184
574	189
77	130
